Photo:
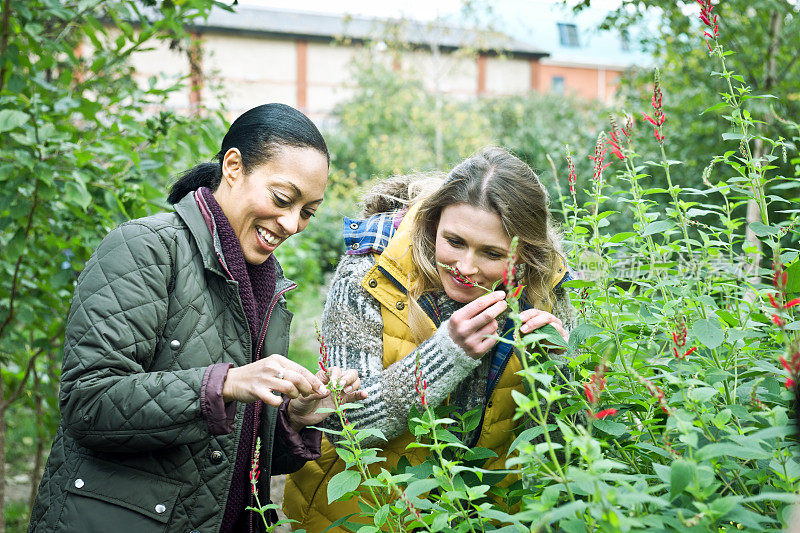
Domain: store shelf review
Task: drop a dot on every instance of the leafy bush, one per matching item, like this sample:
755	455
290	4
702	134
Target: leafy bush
674	411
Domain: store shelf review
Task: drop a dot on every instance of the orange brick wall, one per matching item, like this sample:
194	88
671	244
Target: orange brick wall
582	81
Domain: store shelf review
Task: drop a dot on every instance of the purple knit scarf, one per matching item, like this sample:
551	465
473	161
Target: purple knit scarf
256	290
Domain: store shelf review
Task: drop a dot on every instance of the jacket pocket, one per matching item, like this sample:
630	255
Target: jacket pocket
103	496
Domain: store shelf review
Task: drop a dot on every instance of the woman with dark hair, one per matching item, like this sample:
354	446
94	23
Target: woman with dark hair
175	356
396	311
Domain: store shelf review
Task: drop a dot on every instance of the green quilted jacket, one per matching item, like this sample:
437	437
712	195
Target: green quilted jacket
133	453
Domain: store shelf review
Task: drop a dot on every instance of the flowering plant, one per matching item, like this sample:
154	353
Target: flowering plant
667	408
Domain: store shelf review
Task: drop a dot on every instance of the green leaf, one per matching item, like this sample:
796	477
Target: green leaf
475	454
793	277
624	236
659	226
11	118
528	435
702	394
420	486
338	522
615	429
342	483
382	514
727	449
546	333
75	192
763	230
580	334
708	332
681	473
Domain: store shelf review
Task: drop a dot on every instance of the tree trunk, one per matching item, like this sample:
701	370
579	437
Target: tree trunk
36	474
753	209
3	407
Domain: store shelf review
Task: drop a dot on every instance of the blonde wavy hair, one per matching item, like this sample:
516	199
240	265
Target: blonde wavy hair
492	179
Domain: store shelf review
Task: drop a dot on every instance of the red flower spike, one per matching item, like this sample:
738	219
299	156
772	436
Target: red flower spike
778	321
511	263
709	19
659	118
690	351
572	174
606	412
516	292
254	470
587	390
323	350
599	157
773	301
461	278
792	303
421	389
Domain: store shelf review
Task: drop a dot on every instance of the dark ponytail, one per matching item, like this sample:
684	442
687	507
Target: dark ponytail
257	133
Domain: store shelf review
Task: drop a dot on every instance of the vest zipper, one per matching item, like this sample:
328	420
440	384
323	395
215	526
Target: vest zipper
489	397
257	405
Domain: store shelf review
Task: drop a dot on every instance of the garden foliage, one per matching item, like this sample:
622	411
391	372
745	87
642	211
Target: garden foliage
674	412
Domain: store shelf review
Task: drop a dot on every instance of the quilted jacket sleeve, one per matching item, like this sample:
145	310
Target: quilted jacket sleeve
108	401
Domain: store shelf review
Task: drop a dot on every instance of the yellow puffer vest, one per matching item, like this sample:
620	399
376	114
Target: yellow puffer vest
305	497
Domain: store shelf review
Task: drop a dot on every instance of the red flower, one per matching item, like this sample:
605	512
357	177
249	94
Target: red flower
688	352
461	278
511	266
777	305
778	321
619	138
680	333
572	175
792	366
420	388
654	391
599	157
606	412
597	382
710	20
254	470
323	350
589	392
516	292
659	118
780	277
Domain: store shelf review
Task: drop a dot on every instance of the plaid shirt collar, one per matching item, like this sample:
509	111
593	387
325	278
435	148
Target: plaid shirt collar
371	235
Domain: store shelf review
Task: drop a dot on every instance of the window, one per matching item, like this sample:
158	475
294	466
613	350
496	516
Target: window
568	34
558	85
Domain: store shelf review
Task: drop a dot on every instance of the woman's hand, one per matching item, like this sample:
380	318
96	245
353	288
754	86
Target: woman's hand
533	319
471	325
303	409
264	378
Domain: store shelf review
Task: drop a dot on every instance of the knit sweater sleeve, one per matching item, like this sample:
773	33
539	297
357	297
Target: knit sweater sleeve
353	329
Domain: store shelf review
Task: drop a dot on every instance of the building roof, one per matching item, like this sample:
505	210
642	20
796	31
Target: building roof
537	22
283	23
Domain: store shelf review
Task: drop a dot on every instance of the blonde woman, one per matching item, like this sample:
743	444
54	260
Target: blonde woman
392	303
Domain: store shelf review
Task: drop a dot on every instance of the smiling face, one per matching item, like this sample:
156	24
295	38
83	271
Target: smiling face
475	242
274	201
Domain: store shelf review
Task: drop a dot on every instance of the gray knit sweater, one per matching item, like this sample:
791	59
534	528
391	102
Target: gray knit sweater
353	330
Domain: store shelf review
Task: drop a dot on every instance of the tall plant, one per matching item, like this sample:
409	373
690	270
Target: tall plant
672	411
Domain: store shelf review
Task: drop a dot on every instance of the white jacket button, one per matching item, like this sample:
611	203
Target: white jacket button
79	483
175	344
160	508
